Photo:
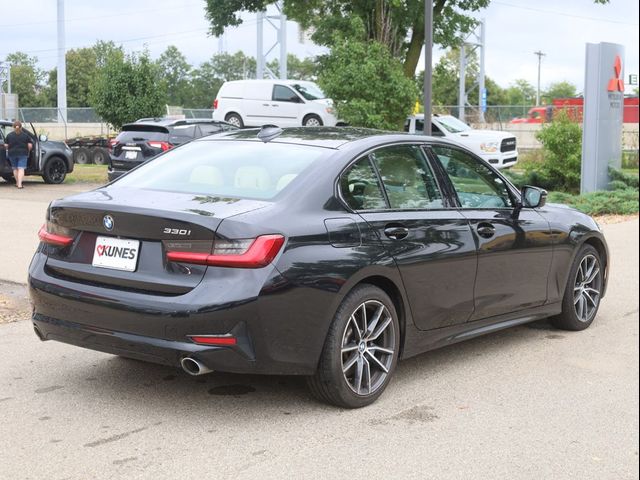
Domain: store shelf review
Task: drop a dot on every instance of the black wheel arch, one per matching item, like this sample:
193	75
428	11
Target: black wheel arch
391	284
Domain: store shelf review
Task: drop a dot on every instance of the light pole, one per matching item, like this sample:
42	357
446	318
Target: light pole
62	69
428	54
540	55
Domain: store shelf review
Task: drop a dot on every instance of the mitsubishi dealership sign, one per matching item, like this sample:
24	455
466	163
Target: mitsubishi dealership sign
603	104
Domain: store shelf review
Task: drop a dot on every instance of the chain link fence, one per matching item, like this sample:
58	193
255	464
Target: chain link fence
522	120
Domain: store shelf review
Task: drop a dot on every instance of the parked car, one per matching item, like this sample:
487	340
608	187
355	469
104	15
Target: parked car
285	103
496	147
139	141
50	159
325	252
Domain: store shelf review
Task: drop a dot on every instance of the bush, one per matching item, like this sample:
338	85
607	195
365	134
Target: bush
562	146
618	202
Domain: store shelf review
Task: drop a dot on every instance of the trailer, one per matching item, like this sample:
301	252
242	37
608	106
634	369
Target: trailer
91	149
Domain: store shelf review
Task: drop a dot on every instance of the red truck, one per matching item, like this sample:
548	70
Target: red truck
574	108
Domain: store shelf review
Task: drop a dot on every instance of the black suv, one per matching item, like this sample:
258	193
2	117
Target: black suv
50	159
147	137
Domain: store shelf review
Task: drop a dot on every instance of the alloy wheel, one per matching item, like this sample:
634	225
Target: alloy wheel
587	287
367	348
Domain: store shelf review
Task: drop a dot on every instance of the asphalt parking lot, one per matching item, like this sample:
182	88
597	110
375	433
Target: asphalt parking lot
527	403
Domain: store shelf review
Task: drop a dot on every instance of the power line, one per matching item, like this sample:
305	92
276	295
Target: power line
564	14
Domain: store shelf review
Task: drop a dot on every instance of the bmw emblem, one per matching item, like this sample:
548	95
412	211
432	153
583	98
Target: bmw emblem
107	221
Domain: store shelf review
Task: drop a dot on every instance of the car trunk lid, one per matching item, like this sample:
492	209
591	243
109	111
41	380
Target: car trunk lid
121	237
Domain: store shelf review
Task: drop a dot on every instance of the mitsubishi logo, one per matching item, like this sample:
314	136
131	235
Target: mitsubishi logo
616	84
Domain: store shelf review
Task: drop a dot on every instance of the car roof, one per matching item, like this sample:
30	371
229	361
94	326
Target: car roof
170	122
326	137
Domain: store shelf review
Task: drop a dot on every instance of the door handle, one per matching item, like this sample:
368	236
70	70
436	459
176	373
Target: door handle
274	105
265	104
396	233
486	230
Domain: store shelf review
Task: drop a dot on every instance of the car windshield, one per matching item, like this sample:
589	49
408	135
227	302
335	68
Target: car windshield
225	168
309	91
452	124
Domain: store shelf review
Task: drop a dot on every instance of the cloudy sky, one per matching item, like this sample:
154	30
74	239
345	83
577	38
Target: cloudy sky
514	30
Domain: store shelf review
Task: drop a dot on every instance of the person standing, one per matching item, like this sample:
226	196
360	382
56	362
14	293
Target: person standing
18	145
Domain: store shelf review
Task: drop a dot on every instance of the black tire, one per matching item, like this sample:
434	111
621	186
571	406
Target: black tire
100	156
574	316
81	156
330	384
312	121
9	178
55	170
234	119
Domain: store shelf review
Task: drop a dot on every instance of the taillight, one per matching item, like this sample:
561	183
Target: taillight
111	143
249	253
164	146
215	104
53	235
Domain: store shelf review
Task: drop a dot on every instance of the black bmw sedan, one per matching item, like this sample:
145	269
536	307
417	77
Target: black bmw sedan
329	253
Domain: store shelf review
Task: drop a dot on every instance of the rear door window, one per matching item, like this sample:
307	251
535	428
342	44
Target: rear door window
407	178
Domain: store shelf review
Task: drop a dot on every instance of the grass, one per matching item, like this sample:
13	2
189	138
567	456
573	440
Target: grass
88	174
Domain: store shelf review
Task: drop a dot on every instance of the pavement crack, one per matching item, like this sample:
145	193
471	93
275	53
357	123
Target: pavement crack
49	389
113	438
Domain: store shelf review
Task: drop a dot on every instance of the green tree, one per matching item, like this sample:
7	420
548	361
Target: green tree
236	66
81	65
367	84
559	90
106	51
395	23
204	86
27	80
128	88
446	80
297	68
521	92
176	72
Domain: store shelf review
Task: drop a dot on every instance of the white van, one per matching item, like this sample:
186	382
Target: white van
285	103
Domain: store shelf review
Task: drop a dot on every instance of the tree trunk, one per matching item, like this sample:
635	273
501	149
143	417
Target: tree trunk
417	40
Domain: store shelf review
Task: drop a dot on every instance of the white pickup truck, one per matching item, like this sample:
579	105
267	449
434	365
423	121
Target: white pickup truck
496	147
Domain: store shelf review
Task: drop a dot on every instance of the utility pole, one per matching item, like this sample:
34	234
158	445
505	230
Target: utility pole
281	41
468	48
62	69
540	55
428	59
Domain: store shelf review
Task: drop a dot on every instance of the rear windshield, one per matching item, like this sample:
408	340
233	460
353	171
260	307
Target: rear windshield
142	133
225	168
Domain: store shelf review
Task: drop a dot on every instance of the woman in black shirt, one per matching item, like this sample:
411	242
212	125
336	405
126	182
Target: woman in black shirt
18	145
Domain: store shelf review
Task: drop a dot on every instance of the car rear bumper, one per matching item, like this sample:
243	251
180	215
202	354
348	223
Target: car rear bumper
252	306
112	174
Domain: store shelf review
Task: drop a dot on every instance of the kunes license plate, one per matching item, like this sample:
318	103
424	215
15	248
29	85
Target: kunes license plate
116	253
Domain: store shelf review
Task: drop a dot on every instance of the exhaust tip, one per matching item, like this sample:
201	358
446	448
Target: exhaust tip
39	333
193	366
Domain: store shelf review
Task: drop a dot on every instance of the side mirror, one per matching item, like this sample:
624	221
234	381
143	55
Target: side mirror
533	197
43	137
